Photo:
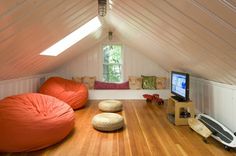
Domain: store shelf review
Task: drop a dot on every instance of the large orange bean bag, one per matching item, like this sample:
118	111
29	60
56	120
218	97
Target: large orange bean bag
74	94
33	121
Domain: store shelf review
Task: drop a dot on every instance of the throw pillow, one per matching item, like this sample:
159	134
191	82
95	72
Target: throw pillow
89	81
149	82
135	82
161	82
77	79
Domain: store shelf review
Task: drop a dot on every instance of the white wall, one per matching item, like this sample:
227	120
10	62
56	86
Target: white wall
21	85
90	64
215	99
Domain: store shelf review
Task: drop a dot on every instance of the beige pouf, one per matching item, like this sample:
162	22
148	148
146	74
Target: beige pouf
110	106
108	121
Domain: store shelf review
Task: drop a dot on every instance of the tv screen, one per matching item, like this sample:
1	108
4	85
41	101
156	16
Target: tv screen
180	85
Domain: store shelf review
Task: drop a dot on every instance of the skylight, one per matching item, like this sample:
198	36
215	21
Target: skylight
73	38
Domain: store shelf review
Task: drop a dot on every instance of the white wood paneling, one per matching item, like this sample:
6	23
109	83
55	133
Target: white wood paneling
215	99
181	34
138	64
89	63
29	27
196	36
21	85
233	117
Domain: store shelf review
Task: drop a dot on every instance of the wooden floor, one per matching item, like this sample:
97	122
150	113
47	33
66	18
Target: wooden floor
147	132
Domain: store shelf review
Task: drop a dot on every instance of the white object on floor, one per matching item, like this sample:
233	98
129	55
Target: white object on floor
219	131
110	106
108	121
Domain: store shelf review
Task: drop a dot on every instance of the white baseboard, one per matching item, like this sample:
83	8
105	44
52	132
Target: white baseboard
126	94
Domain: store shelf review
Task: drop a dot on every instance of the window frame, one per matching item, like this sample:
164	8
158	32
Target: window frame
122	61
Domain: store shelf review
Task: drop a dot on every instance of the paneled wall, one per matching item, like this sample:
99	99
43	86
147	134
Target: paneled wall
21	85
215	99
90	64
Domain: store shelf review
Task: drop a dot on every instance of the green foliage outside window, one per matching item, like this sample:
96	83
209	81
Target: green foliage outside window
112	63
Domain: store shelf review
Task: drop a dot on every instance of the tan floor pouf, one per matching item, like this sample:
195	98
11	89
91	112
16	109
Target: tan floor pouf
110	106
108	121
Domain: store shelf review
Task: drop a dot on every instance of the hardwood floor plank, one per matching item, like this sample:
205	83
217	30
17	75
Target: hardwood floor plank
147	131
138	143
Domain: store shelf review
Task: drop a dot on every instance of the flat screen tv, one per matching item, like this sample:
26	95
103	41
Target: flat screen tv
180	85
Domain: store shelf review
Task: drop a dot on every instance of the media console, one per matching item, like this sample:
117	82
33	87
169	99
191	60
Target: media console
178	112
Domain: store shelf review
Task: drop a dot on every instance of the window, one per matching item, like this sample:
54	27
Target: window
112	63
73	38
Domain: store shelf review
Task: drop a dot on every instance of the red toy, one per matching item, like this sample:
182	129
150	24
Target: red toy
153	98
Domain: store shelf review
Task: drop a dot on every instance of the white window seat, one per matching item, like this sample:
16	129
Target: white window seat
126	94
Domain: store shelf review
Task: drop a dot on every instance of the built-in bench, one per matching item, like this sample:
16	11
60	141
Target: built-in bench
105	90
126	94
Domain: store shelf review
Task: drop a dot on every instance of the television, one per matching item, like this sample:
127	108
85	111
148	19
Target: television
180	86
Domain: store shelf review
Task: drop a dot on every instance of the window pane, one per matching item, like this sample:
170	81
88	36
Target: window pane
112	73
111	68
112	63
112	77
112	54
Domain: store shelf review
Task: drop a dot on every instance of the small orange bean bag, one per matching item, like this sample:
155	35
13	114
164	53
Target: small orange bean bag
74	94
33	121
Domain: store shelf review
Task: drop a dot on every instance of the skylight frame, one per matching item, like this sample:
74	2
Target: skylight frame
73	38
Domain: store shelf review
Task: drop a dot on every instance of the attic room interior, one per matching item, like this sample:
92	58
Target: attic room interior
117	77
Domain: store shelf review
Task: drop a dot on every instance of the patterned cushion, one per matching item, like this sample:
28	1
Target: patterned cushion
161	82
86	80
149	82
135	82
77	79
89	81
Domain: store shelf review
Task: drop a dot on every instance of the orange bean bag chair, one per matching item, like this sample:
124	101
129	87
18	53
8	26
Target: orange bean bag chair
33	121
74	94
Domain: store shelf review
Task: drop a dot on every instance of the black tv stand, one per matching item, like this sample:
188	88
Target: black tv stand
177	98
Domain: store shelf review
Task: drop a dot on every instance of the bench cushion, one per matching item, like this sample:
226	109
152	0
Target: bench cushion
106	85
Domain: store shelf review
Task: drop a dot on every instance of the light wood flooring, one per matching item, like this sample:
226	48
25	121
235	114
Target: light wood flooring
147	132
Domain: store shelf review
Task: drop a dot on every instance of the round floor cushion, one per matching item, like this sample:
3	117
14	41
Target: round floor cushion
33	121
108	121
110	106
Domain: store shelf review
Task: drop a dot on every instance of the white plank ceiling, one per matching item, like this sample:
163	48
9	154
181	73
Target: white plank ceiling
196	36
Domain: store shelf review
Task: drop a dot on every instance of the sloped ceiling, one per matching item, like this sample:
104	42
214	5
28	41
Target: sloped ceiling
27	27
195	36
